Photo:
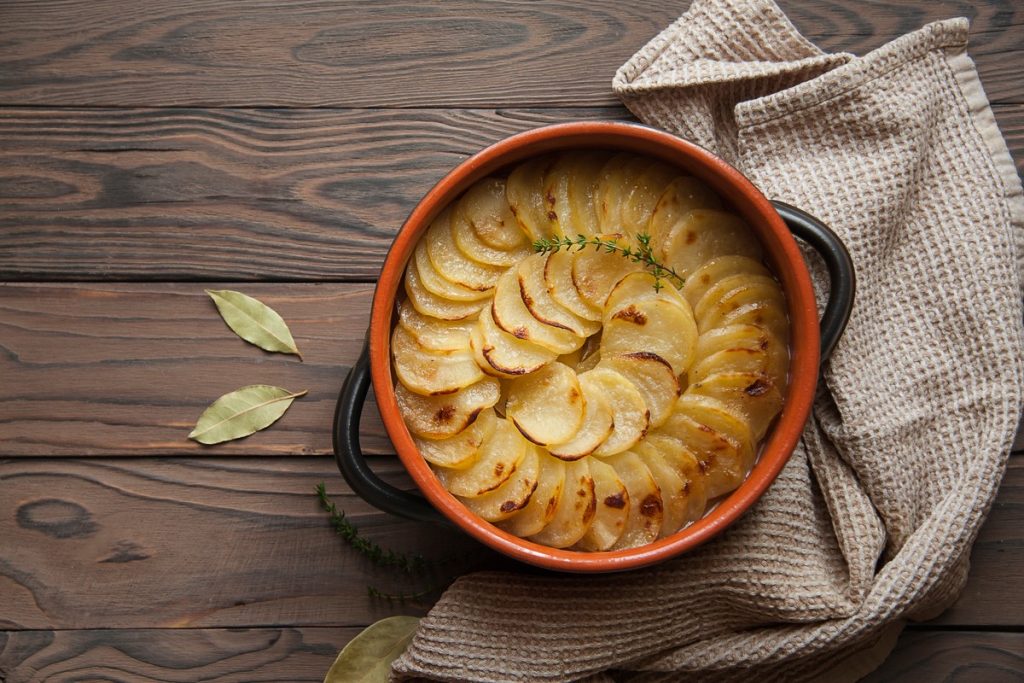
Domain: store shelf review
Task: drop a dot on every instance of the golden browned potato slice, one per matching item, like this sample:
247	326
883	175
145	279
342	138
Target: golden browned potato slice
542	306
630	415
762	314
716	270
576	508
473	247
499	353
440	286
688	467
720	302
682	195
656	325
558	278
497	461
652	376
541	507
612	508
444	416
548	405
513	495
640	286
641	201
645	505
617	181
427	372
723	460
751	395
485	206
452	264
595	273
597	423
434	333
703	234
771	360
461	450
674	499
572	184
731	337
511	314
525	192
427	303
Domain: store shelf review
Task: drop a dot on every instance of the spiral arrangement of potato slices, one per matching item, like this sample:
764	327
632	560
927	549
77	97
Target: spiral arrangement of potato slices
561	395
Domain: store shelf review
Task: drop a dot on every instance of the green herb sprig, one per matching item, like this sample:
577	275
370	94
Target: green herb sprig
641	253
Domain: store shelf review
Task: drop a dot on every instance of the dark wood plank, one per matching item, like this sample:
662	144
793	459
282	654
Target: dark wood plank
948	656
462	53
222	542
213	542
123	369
237	194
229	194
137	656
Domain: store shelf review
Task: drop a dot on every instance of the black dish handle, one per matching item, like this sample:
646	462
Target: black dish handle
384	496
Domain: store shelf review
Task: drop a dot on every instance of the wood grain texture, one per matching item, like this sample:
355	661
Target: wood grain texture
121	369
396	54
163	655
228	194
238	194
210	542
222	542
948	657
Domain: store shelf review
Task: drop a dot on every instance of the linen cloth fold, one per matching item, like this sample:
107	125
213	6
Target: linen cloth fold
871	522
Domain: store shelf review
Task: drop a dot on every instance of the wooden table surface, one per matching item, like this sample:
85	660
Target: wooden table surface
150	149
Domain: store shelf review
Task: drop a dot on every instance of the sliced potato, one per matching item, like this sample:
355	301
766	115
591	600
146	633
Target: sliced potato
499	353
526	197
597	423
427	303
617	181
558	278
731	337
497	461
642	199
513	495
653	377
473	247
703	234
542	306
655	325
682	195
427	372
461	450
673	487
510	314
612	508
752	395
640	286
688	467
630	415
541	506
771	360
717	269
444	416
595	273
452	264
721	457
645	505
576	508
434	333
719	302
762	314
572	183
440	286
485	206
548	405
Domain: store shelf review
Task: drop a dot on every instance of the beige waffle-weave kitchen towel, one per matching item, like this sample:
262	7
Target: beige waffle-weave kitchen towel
872	521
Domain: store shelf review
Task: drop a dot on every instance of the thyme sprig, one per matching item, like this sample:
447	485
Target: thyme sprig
381	557
641	253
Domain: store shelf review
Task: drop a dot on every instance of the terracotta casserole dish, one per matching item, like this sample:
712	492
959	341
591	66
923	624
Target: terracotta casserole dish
774	223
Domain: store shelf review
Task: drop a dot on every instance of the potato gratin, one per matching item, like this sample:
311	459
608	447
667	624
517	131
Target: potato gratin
573	396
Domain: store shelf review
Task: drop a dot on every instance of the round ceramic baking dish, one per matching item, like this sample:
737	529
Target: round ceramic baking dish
811	341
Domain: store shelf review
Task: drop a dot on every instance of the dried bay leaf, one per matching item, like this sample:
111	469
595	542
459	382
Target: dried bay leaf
367	658
254	321
242	412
